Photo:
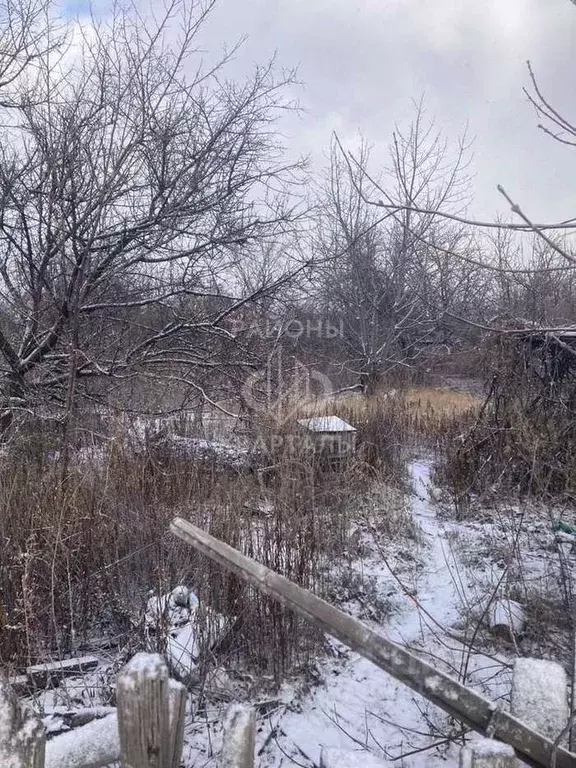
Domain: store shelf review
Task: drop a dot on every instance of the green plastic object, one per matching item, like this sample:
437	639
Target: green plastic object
564	527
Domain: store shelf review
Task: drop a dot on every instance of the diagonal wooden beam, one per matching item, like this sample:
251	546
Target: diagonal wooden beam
447	693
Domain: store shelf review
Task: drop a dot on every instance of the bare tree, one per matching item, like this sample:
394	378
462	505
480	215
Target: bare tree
133	183
556	237
389	279
28	33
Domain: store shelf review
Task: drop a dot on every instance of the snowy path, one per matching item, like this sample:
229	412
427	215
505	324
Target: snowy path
436	590
359	706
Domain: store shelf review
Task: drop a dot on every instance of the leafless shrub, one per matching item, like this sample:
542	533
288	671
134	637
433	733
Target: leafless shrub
524	438
352	588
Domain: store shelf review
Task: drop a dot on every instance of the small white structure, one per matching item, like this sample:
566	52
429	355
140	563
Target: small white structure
330	437
506	618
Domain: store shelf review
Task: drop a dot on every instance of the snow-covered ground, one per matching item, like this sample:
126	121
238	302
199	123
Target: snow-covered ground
360	707
434	586
356	706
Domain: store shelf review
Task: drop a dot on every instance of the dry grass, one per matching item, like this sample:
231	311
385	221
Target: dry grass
419	400
442	402
414	413
439	414
82	550
83	545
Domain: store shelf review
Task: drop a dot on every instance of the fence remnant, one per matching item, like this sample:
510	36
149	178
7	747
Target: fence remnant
150	714
146	731
238	743
487	753
540	695
22	735
39	675
461	702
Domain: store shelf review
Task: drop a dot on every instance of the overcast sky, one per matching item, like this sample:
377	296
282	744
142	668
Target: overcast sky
362	62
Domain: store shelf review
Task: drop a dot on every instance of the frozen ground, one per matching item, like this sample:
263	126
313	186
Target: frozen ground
434	586
358	706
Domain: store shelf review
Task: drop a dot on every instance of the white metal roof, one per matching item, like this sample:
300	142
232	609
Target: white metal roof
326	424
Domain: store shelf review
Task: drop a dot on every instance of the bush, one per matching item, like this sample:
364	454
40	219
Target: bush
524	438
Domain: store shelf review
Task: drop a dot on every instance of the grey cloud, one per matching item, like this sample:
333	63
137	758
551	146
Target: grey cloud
363	62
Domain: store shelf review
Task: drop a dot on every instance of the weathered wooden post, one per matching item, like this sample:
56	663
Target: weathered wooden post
22	735
150	714
238	744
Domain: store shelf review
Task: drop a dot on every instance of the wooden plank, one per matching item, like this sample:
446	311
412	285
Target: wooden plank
40	675
441	689
22	735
